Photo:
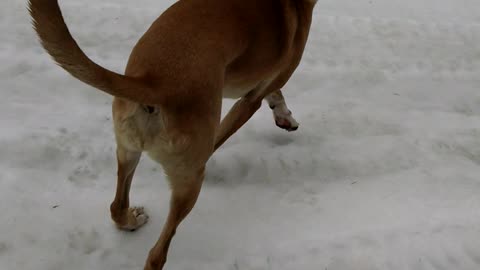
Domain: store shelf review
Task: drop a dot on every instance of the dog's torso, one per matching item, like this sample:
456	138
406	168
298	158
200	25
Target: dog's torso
231	46
200	51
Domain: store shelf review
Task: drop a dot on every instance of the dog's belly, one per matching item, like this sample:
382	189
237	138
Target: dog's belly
242	82
237	91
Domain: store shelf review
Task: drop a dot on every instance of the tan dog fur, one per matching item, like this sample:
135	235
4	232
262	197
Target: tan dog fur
194	54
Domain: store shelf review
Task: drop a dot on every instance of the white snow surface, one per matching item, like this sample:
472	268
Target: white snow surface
384	172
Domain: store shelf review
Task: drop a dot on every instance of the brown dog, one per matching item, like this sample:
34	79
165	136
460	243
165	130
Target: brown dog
168	103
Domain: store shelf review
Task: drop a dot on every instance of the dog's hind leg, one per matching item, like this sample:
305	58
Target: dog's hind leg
238	115
185	190
124	216
282	115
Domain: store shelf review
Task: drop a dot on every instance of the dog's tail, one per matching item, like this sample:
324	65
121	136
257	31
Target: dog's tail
55	37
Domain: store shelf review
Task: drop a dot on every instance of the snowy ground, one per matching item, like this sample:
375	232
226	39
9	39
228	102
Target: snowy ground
384	172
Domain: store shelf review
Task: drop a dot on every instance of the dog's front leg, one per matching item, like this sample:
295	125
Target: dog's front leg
282	115
244	109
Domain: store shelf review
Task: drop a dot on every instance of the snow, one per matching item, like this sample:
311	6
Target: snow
384	172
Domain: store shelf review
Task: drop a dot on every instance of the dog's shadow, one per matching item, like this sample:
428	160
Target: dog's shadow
278	140
252	161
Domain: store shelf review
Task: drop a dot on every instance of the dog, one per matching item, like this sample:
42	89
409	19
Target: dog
169	101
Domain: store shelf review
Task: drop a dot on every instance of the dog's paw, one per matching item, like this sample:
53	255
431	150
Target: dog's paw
136	219
286	121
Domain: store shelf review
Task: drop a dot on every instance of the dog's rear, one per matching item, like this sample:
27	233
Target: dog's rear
169	101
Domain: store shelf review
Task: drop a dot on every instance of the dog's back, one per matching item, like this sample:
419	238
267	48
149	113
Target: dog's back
218	44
